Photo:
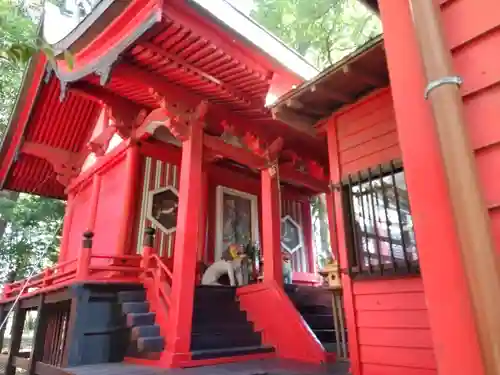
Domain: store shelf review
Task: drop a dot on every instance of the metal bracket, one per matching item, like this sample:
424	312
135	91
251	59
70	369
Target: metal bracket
454	80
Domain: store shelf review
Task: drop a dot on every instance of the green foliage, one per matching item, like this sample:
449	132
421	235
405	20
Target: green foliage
31	237
17	44
323	31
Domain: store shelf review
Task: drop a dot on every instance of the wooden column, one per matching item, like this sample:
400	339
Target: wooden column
68	218
308	236
447	293
39	335
339	245
186	246
202	234
482	268
271	226
130	203
94	200
15	338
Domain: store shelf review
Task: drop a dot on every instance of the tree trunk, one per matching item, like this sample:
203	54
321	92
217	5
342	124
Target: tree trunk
12	196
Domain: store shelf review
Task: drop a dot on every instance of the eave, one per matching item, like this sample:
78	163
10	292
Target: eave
165	48
339	86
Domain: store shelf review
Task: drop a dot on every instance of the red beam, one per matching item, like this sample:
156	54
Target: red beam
294	177
228	151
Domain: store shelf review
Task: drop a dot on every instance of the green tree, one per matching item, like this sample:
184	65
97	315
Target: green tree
17	43
31	238
27	223
322	31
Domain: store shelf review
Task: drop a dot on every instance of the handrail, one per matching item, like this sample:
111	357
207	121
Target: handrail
157	279
121	268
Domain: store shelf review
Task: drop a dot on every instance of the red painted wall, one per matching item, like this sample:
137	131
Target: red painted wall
387	319
108	205
78	221
473	36
110	209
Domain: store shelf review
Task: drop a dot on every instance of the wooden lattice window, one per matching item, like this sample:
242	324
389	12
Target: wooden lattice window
381	239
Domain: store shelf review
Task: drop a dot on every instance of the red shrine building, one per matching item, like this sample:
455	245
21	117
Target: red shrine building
163	142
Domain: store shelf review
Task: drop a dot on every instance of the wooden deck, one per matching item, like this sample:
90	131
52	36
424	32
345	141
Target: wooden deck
257	367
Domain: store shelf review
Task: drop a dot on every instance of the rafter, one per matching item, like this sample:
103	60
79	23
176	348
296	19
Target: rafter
298	122
191	69
363	76
333	95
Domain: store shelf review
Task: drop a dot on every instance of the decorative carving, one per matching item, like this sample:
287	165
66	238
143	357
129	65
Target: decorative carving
180	118
163	205
291	235
66	164
99	144
229	135
104	74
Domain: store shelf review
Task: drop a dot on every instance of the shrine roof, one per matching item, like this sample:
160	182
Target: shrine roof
357	75
124	52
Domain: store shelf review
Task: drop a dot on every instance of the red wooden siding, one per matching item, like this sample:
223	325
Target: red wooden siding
393	328
473	36
367	134
78	222
156	174
110	209
390	316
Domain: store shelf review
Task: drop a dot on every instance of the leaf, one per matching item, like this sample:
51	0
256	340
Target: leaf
69	58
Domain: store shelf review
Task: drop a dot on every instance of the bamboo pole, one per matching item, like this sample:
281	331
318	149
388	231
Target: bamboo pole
477	249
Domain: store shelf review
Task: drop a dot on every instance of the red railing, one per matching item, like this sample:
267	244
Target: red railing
293	340
88	267
157	279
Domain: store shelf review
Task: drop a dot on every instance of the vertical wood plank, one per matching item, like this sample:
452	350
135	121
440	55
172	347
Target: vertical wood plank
39	335
15	338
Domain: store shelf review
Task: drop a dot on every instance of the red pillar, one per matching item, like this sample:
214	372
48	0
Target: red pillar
94	201
271	226
68	218
131	194
186	246
447	294
202	234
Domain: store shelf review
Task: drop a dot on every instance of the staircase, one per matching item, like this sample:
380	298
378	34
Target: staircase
145	339
315	306
220	328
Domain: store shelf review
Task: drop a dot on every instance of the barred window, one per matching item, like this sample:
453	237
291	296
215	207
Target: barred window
379	224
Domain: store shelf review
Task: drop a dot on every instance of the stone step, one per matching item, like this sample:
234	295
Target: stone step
140	319
145	331
135	307
138	295
154	344
325	335
319	321
223	340
230	352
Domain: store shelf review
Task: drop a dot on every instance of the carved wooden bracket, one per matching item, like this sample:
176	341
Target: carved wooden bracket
66	164
176	117
99	144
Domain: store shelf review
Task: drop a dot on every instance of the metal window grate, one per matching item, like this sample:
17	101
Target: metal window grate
379	224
